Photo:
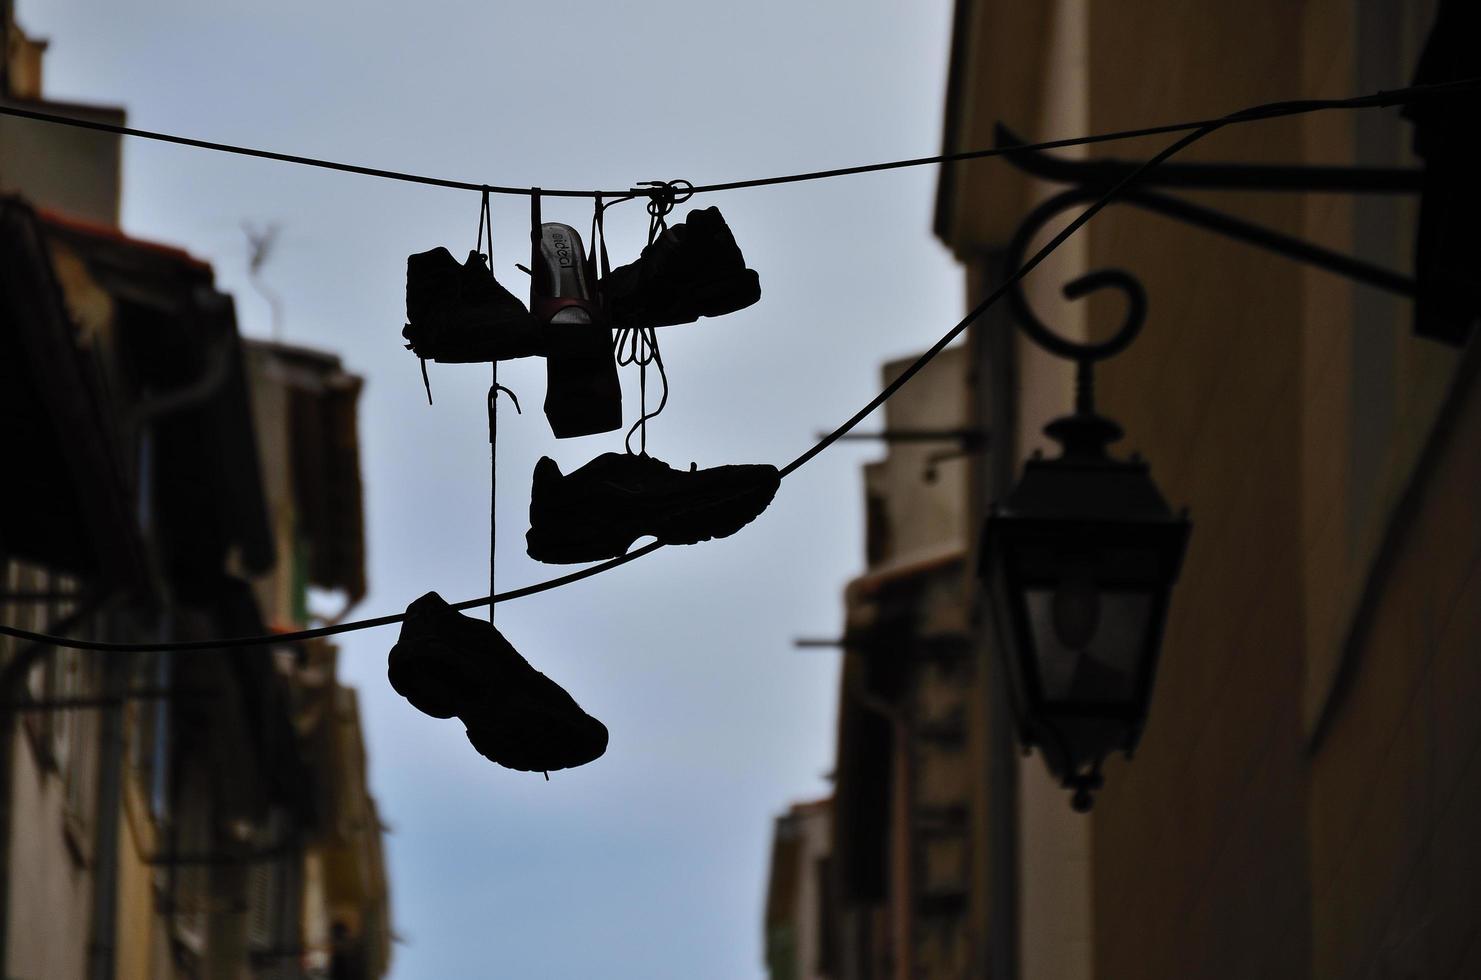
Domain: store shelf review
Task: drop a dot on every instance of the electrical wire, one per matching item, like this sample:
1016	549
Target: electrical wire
1198	131
1274	110
298	636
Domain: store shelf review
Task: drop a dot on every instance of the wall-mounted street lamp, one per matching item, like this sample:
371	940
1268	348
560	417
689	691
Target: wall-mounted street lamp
1080	559
1082	555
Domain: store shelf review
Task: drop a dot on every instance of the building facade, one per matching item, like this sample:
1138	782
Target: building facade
799	902
167	815
1302	799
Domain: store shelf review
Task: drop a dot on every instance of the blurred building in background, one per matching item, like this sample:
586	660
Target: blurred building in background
799	901
166	815
906	849
1303	800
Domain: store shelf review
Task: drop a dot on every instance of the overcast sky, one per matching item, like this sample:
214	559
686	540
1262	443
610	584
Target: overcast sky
650	862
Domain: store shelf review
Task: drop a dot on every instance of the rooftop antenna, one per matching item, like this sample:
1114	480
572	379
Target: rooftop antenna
260	243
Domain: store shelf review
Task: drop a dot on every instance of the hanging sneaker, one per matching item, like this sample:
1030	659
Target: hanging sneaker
449	664
582	394
539	729
693	269
459	314
599	510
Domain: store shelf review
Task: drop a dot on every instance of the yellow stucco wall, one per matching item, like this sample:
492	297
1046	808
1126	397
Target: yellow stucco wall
50	888
1232	846
1198	844
74	171
1396	773
137	922
1301	802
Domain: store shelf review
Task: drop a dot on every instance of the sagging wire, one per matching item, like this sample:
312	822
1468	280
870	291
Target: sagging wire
1269	111
1388	97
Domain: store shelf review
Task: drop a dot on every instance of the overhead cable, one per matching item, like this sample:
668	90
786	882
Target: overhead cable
1197	132
1390	97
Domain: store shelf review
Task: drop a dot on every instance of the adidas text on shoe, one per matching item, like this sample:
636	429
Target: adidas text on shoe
582	393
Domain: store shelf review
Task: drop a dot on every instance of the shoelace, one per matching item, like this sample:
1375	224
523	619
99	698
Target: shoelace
486	230
639	345
487	261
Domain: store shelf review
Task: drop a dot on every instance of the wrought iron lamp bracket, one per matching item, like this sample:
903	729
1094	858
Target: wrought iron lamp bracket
1089	522
1090	179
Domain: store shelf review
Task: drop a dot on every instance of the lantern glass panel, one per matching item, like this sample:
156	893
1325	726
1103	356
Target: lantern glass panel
1088	644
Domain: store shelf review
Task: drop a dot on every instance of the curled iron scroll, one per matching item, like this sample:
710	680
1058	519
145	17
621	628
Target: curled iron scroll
1084	353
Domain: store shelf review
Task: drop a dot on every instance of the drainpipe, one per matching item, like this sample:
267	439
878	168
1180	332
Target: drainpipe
994	398
212	377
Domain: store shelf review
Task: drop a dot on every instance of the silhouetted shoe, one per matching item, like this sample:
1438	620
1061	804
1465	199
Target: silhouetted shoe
582	393
449	664
599	510
539	730
1447	294
460	314
693	269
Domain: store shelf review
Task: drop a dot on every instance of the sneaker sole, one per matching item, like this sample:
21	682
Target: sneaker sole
530	740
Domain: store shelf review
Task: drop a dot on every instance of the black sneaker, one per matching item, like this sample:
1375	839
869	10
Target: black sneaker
449	664
539	728
599	510
693	269
460	314
582	393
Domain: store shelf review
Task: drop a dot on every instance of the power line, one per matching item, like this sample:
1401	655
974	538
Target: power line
248	151
1271	111
1198	131
297	636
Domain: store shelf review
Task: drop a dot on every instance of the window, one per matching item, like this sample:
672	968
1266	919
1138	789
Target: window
189	847
273	890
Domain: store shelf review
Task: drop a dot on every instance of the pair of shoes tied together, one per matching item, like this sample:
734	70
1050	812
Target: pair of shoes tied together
449	664
691	270
461	314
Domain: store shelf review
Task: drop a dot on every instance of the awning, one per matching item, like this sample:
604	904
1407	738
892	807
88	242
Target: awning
176	376
66	501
